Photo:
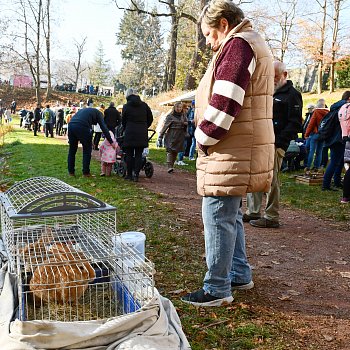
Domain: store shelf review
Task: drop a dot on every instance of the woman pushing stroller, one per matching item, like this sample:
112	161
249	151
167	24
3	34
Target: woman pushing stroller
136	119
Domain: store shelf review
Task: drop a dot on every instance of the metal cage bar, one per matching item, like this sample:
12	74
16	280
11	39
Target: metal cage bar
68	262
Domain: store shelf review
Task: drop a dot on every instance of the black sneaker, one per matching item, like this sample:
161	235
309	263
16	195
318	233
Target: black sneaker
201	298
264	223
242	286
332	189
248	217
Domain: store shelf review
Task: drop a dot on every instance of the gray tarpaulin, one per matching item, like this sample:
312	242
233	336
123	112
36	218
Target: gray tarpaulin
155	326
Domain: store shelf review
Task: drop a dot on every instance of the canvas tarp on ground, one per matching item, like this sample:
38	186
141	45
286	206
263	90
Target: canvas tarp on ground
153	327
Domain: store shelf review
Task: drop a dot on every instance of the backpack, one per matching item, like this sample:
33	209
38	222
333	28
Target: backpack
47	116
328	125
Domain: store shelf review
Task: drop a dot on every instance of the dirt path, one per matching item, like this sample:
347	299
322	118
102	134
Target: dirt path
301	269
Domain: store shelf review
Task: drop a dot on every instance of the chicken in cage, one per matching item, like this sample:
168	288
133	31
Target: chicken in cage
63	275
64	256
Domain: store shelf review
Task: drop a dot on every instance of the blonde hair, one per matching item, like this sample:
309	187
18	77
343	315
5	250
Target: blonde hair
217	9
178	103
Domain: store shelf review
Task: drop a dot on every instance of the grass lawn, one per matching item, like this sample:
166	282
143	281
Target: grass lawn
169	242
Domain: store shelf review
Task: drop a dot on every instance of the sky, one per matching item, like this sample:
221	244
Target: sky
95	19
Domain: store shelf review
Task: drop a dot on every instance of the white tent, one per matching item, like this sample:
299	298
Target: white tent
187	97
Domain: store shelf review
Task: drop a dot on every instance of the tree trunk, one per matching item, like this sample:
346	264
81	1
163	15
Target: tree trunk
37	54
48	49
321	49
334	44
190	82
173	46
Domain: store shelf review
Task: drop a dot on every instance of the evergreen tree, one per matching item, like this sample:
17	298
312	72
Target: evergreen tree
143	55
100	67
343	72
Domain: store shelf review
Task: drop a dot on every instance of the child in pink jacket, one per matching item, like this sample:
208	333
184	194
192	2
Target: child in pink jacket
344	120
108	155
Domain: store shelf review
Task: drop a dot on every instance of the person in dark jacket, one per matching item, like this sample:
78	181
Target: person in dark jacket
36	121
60	121
287	122
80	129
337	148
137	118
112	117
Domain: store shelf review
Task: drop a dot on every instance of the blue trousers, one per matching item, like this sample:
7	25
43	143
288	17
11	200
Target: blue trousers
335	166
78	133
224	245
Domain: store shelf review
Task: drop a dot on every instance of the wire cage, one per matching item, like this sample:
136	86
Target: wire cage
63	247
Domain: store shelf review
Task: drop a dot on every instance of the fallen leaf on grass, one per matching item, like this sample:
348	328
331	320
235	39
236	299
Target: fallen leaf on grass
328	337
345	274
293	292
275	262
177	291
340	262
98	190
93	184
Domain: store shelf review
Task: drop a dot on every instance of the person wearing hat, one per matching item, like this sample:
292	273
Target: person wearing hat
310	108
112	117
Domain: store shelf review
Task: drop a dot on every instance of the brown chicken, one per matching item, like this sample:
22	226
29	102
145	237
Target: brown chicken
63	277
35	253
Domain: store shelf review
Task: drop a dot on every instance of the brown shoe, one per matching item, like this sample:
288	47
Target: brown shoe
264	223
248	217
87	175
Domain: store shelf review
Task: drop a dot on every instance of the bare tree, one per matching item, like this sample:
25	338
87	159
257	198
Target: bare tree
277	27
323	6
31	18
78	64
47	33
335	45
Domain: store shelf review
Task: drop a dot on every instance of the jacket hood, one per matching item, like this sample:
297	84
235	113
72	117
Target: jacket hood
337	105
134	100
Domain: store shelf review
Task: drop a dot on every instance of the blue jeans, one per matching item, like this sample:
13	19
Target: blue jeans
335	166
182	154
316	146
193	147
78	133
224	245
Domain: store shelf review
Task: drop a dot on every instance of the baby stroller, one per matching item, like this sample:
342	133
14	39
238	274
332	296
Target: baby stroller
120	164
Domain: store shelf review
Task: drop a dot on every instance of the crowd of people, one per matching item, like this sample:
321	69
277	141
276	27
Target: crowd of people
6	111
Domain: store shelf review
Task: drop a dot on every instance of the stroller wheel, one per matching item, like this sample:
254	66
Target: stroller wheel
122	169
116	167
149	170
